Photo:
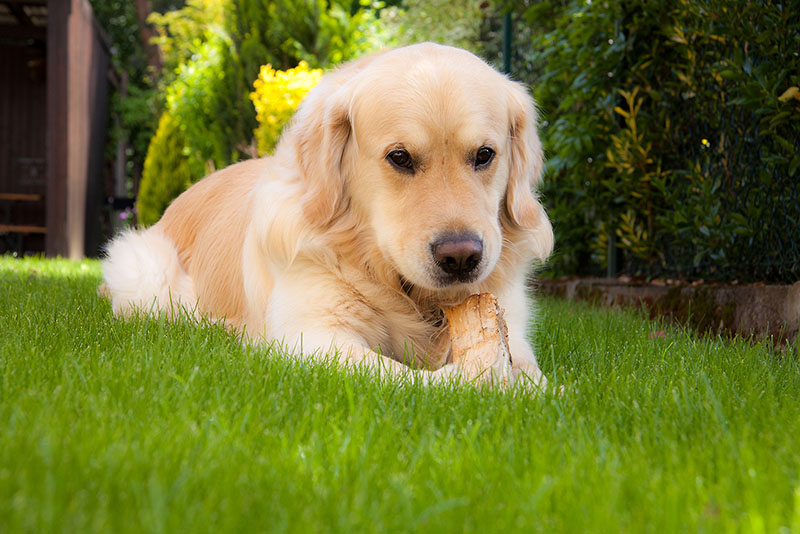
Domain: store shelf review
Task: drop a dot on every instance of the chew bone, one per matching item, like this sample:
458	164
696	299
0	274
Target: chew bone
479	339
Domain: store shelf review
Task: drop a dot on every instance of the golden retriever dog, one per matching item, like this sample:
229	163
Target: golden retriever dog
403	184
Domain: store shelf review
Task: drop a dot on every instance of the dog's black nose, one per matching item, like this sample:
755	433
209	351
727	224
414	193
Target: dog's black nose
457	254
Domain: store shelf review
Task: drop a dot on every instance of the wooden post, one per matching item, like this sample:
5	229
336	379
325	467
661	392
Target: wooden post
58	12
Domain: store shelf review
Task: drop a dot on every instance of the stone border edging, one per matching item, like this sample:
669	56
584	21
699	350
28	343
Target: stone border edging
749	310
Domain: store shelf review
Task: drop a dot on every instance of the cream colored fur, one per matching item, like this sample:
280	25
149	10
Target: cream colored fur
327	245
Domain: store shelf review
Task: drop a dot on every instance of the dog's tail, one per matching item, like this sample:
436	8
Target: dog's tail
142	271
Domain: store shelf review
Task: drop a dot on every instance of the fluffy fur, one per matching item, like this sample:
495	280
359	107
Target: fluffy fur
326	244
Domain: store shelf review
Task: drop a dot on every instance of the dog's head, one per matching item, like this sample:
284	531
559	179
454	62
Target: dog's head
437	154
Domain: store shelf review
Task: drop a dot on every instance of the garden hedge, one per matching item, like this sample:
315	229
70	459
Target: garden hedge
673	129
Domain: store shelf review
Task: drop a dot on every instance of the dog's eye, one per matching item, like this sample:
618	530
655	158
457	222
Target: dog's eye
483	157
401	159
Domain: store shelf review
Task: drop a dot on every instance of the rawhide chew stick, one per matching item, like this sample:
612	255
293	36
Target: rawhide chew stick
479	338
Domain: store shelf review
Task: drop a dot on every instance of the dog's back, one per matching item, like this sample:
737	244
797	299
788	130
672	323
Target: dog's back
194	251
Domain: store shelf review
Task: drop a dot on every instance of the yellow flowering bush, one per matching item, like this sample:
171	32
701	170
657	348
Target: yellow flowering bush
276	97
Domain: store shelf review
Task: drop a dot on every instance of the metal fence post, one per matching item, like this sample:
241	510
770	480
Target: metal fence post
613	266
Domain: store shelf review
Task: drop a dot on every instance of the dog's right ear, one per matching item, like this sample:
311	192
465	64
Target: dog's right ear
523	208
320	131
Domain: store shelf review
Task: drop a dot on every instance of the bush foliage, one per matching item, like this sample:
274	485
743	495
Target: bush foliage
672	128
276	97
458	23
167	161
214	50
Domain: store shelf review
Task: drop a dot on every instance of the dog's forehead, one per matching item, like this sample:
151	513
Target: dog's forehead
462	100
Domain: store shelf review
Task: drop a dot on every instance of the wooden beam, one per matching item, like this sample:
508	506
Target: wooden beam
17	31
17	11
22	229
26	2
24	197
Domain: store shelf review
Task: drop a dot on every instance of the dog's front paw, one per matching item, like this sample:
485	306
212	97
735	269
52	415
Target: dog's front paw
498	375
450	372
528	377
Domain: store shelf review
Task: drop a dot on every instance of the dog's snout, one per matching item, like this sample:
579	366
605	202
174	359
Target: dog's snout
458	255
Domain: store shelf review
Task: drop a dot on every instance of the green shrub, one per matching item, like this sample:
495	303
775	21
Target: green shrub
673	128
208	106
167	171
132	116
276	97
451	22
195	130
213	52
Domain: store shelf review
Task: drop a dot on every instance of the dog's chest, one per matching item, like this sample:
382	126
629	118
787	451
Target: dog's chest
411	339
391	321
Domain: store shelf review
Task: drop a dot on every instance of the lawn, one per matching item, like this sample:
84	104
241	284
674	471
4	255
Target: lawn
151	426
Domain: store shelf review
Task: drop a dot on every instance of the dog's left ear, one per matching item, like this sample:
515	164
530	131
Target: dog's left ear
523	210
320	131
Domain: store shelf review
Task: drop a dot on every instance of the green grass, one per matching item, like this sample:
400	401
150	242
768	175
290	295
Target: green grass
151	426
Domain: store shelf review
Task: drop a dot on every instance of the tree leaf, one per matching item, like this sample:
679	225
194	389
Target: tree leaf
792	92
